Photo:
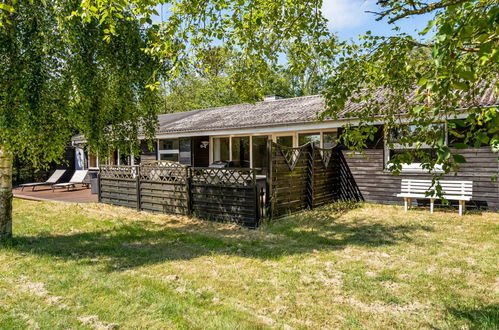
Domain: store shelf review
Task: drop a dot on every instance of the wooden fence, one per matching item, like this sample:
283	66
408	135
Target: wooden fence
168	187
307	177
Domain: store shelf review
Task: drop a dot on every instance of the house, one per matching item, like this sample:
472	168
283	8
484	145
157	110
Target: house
238	135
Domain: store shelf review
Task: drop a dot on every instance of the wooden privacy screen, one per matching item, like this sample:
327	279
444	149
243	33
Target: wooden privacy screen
118	185
289	179
163	187
225	194
169	187
306	177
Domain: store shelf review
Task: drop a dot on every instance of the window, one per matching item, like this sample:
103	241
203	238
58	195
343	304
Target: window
286	141
168	149
400	141
92	161
170	156
221	147
259	151
329	139
241	151
125	159
168	144
185	151
113	158
309	137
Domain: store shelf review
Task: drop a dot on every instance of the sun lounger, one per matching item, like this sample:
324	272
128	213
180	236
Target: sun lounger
77	178
50	181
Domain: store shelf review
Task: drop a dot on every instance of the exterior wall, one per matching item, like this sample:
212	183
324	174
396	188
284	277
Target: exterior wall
378	186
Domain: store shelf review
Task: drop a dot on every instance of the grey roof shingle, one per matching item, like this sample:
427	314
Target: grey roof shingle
296	110
268	113
279	112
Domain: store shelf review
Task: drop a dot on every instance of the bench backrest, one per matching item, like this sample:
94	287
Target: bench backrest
449	188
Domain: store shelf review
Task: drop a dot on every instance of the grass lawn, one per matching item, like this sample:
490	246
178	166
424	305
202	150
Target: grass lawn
98	266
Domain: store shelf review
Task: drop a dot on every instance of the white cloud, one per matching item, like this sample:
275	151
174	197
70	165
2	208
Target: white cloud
344	14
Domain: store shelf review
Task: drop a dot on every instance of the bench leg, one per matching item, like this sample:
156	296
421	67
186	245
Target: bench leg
462	206
432	203
405	204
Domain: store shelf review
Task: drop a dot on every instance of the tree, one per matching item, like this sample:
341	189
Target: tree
95	66
209	83
431	80
58	77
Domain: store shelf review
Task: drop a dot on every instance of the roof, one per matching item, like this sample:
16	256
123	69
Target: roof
270	113
267	113
275	112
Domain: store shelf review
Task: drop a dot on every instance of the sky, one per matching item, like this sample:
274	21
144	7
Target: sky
348	19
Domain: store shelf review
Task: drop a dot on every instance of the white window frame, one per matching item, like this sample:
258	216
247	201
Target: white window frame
273	136
167	151
412	167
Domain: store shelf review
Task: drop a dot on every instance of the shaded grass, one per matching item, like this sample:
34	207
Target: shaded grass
341	266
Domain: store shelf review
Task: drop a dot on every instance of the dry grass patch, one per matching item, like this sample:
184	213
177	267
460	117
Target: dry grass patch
341	266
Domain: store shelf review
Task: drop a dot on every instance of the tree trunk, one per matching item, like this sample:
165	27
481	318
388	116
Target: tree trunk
5	194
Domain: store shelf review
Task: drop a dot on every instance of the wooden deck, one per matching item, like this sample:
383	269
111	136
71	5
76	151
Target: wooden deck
78	195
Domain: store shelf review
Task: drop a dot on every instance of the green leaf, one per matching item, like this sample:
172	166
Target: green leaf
459	158
6	7
459	145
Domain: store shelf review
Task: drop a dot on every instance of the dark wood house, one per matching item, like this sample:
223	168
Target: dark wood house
237	136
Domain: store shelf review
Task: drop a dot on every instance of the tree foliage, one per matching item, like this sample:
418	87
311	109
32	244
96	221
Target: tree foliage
58	78
209	83
428	80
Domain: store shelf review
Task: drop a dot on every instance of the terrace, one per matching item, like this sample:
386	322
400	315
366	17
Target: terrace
77	195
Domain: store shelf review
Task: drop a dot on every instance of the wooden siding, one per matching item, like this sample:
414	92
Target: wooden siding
379	186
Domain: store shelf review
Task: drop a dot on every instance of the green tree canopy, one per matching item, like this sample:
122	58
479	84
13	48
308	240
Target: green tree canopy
401	79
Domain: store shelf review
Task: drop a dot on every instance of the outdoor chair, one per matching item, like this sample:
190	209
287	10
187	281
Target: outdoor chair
77	178
56	176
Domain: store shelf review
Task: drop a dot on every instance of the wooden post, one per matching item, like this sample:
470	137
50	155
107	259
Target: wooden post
269	202
432	202
310	181
257	198
98	187
137	173
188	186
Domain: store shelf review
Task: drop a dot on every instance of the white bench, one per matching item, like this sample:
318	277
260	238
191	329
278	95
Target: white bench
452	190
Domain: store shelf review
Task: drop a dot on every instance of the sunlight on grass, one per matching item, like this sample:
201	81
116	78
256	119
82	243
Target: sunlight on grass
343	265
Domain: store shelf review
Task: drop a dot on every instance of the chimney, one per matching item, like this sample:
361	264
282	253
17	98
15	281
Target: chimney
269	98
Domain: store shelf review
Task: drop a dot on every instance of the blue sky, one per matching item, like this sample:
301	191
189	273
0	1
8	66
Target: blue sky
348	19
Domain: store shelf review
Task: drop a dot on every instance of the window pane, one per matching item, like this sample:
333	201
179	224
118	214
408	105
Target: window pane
221	149
113	158
170	157
124	159
185	151
402	134
309	137
286	141
260	151
240	151
330	139
169	144
92	160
